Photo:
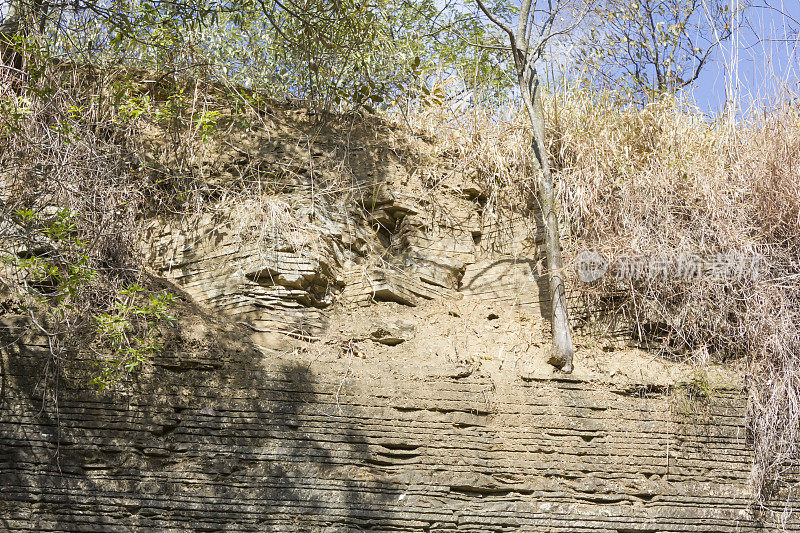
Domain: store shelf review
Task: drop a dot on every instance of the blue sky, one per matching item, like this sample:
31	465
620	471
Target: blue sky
764	58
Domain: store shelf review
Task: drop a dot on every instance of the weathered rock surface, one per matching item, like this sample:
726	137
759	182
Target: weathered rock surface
391	332
509	280
223	437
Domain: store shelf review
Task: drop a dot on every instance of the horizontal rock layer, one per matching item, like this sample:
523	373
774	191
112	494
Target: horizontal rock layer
237	440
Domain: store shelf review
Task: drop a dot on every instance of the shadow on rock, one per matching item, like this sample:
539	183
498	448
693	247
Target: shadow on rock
217	436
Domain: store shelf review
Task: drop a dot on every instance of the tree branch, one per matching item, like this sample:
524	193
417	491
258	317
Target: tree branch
499	23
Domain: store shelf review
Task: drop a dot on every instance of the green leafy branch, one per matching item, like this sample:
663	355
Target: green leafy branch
130	331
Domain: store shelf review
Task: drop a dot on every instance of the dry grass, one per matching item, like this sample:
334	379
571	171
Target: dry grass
664	182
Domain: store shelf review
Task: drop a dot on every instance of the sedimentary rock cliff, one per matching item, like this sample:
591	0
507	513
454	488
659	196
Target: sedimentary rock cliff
220	436
365	358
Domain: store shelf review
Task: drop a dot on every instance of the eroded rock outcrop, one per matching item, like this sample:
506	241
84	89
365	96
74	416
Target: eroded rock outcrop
220	436
366	357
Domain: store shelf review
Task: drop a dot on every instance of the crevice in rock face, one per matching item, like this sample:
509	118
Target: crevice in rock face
400	446
480	492
644	391
388	457
388	295
590	438
265	277
602	499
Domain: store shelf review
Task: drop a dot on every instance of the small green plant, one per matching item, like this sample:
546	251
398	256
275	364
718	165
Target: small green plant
691	399
171	112
207	124
52	261
14	110
132	108
130	331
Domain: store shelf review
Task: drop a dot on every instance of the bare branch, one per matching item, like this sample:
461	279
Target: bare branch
497	22
523	21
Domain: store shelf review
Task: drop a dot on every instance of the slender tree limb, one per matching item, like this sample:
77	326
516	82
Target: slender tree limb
497	22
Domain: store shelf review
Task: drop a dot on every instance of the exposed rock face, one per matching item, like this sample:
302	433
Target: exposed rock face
449	422
388	229
219	436
392	332
354	260
282	289
511	280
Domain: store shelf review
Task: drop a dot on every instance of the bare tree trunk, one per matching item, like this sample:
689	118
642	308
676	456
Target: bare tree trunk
562	349
525	57
10	14
9	25
9	17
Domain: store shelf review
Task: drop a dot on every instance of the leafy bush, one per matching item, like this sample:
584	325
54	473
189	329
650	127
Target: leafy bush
130	332
56	282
